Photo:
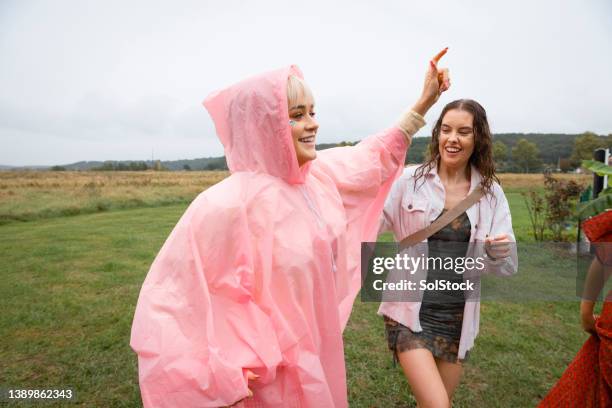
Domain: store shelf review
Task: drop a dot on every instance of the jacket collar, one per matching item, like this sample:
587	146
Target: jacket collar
475	176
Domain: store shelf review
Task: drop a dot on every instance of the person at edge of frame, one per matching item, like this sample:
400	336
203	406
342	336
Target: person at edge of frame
587	381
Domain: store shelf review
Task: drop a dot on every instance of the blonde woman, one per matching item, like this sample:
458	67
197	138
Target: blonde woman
247	299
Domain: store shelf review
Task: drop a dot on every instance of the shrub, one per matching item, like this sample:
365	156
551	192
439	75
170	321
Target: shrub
552	211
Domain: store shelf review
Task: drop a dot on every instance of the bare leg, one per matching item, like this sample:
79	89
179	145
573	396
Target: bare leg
425	381
451	375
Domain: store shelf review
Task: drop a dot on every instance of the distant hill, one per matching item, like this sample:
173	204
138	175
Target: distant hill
7	168
551	146
206	163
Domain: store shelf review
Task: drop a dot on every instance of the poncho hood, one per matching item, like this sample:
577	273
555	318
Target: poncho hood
252	121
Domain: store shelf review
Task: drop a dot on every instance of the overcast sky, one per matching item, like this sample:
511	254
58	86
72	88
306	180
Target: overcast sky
116	80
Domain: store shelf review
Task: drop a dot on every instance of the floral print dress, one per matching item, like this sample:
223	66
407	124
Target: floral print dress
441	314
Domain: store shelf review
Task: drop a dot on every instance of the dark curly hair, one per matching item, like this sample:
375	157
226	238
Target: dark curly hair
482	156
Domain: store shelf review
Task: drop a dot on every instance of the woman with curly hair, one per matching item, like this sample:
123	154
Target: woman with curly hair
431	335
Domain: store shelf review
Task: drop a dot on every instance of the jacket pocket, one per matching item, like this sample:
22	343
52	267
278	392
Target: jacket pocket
414	215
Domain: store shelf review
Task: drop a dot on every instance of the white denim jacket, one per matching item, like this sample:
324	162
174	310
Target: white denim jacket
408	210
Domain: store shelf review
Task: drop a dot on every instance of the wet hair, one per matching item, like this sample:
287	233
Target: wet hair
296	87
482	156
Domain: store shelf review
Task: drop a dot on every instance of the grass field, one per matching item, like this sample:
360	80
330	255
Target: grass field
26	196
70	282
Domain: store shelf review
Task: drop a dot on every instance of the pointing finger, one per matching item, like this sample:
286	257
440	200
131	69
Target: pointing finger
439	55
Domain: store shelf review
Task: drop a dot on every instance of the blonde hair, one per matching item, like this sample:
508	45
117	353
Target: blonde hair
296	87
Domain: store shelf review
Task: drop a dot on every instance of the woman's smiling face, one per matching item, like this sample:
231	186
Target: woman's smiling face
303	125
456	139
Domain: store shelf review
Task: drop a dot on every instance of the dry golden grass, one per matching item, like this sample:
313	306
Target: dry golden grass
42	194
526	181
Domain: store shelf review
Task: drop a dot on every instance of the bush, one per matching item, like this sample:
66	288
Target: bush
554	210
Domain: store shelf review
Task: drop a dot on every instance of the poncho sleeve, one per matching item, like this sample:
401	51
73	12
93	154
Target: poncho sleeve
363	175
196	327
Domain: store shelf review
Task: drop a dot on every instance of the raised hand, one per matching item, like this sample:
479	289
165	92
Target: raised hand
436	81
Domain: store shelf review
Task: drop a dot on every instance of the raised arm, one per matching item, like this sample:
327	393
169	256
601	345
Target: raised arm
364	173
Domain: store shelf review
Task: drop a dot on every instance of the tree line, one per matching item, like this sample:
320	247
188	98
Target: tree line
532	153
513	152
527	157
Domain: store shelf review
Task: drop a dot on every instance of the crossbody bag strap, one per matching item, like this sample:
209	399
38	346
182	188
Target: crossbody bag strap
444	220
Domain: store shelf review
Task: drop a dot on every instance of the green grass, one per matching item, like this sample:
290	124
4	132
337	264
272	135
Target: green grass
520	352
520	216
68	292
69	288
523	346
57	207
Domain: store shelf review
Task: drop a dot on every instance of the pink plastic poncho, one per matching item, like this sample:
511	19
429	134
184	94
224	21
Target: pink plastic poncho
261	271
